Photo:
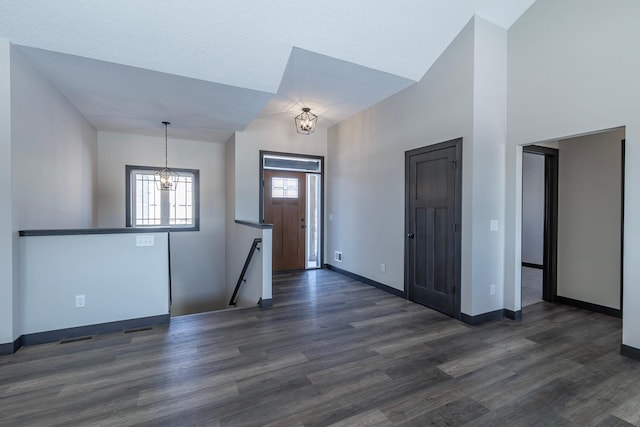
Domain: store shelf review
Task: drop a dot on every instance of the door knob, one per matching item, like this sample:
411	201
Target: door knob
411	235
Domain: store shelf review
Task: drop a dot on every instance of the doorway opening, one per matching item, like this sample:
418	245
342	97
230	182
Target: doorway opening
539	224
580	222
291	198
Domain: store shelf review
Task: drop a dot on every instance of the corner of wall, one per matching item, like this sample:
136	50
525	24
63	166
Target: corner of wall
9	298
486	177
230	211
54	153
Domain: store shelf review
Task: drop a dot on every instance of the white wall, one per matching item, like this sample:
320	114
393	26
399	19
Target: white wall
54	154
365	189
572	70
197	257
269	136
589	209
120	280
9	330
532	208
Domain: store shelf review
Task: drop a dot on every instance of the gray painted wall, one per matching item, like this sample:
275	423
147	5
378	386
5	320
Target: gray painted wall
54	154
230	207
270	136
258	276
589	204
562	83
532	208
50	150
487	170
242	153
462	95
365	189
197	257
9	329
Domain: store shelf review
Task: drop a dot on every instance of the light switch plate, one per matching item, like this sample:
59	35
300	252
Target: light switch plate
145	240
493	225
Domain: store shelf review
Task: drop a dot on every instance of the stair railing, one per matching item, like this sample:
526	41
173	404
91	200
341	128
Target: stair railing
241	279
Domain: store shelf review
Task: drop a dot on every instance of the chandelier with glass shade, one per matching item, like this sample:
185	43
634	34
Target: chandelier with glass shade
166	179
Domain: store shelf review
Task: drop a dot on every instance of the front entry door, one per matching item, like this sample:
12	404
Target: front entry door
432	264
284	207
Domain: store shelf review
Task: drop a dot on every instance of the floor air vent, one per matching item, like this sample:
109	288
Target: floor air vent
68	340
146	328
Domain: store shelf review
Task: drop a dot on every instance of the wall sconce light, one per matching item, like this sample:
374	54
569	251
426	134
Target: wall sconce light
306	122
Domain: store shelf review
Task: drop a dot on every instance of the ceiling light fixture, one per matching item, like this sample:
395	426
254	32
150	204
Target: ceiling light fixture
306	122
166	179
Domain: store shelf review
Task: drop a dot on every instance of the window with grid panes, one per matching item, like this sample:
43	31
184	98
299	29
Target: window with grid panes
147	206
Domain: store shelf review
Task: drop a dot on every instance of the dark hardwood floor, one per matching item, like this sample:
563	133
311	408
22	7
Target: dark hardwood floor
332	351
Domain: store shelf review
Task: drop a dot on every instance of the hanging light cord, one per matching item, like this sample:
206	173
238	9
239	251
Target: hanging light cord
166	151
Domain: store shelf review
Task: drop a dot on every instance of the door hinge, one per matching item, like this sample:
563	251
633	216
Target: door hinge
454	228
455	164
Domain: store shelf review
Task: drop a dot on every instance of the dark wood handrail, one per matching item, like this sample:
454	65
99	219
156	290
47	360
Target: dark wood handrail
241	279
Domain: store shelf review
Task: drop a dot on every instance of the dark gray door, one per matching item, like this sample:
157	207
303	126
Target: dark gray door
432	255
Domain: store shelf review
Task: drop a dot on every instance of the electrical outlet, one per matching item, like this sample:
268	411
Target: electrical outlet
493	225
79	301
492	289
337	256
383	267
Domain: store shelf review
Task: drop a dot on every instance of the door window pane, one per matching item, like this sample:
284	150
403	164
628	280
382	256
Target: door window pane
313	220
284	188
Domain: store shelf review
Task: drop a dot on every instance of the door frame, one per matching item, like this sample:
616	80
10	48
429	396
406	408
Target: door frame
261	191
457	144
550	231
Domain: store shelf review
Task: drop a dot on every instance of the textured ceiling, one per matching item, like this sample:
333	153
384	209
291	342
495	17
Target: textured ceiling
116	97
212	66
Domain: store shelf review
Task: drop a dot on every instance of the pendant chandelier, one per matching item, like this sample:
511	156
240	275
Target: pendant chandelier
166	179
306	121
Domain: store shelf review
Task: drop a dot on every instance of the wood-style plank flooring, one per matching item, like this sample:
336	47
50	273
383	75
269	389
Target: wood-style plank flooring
332	351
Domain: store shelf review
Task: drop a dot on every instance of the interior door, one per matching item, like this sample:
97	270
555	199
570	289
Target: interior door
433	183
284	207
